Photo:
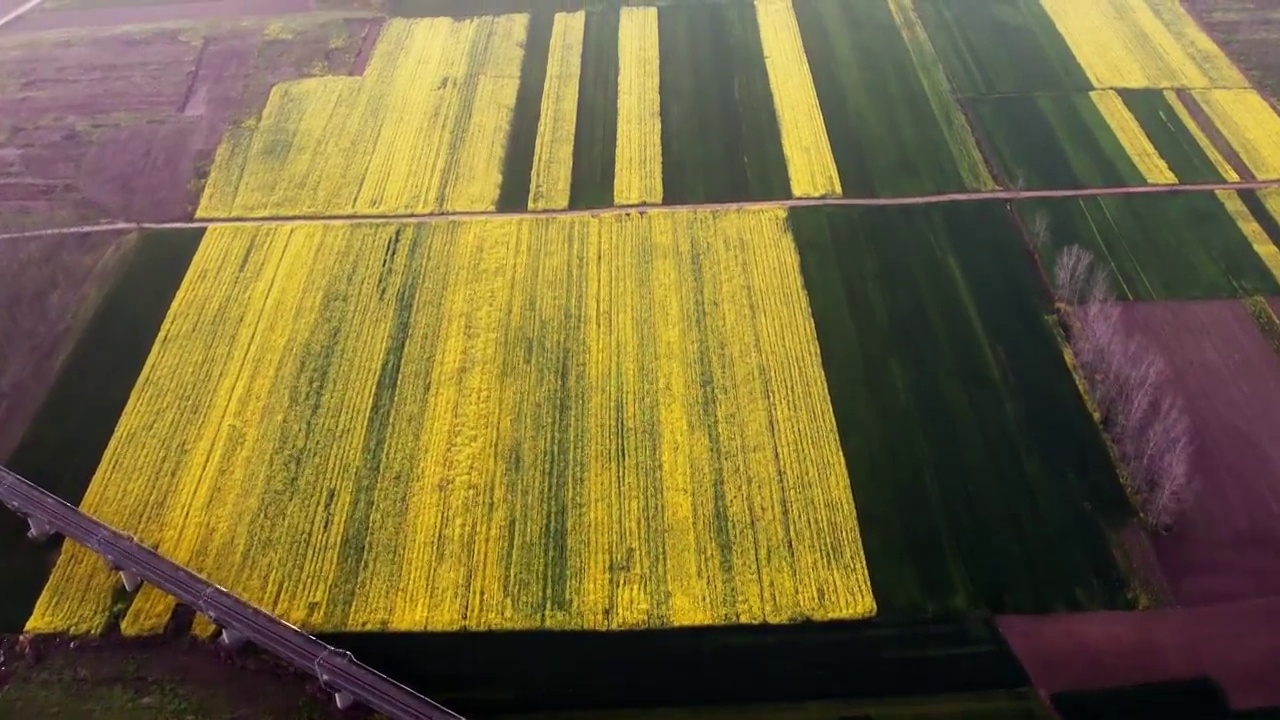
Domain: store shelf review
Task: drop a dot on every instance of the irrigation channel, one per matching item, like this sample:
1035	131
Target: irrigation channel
977	196
349	680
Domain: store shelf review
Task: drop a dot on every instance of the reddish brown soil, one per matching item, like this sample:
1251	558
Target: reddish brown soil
1249	31
110	125
48	289
1227	545
249	684
123	14
1236	644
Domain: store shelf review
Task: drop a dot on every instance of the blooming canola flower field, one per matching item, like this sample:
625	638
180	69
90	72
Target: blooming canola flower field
466	425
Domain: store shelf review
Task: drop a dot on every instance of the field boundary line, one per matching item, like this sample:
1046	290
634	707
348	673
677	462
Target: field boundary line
975	196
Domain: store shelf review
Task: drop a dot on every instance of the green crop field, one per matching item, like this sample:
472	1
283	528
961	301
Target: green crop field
955	406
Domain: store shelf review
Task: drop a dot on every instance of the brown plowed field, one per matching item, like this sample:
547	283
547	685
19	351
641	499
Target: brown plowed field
48	289
1236	644
123	13
1227	546
1249	30
119	125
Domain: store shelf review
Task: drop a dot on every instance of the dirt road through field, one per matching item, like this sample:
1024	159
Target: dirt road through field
17	12
1005	195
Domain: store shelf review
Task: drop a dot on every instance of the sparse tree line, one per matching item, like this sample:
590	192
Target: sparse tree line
1139	406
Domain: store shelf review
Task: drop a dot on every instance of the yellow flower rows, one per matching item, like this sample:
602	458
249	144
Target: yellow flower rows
1206	145
1133	138
1254	232
544	422
1249	124
552	174
1127	44
637	178
810	164
964	148
423	131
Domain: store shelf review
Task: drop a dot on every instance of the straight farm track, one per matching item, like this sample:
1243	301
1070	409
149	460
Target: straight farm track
977	196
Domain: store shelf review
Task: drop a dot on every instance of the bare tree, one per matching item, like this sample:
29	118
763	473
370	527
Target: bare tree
1141	410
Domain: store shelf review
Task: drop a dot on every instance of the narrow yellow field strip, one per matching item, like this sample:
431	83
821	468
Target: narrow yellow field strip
810	165
553	150
1257	236
941	97
638	164
1250	125
590	422
1129	132
1125	44
1228	173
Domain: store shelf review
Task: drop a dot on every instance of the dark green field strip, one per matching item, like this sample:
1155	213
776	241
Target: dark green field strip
1269	222
720	139
61	448
973	460
1176	144
494	673
518	165
597	125
1159	247
1001	46
1054	142
884	134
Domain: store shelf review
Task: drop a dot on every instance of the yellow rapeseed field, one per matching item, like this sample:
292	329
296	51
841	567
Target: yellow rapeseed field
1255	233
424	130
637	178
552	174
1127	44
810	165
1129	132
1249	124
1206	145
595	422
964	148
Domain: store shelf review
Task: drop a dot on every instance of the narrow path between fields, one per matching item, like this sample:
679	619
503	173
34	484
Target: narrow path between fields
19	12
1008	195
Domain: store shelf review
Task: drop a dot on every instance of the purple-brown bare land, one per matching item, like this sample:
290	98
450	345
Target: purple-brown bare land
1226	546
1249	30
121	124
1236	644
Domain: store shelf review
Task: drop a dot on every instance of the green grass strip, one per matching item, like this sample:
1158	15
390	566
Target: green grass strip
597	125
518	166
1266	320
1001	46
720	139
1170	137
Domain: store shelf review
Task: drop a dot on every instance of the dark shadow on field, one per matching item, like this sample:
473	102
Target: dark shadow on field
65	441
543	671
1198	698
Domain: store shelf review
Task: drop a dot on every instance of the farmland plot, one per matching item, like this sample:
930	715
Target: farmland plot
1176	137
1227	547
466	425
720	138
1001	47
1250	124
424	130
893	124
973	459
1188	245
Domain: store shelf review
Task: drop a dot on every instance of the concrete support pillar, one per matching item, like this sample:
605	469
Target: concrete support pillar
343	699
131	580
231	639
40	530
